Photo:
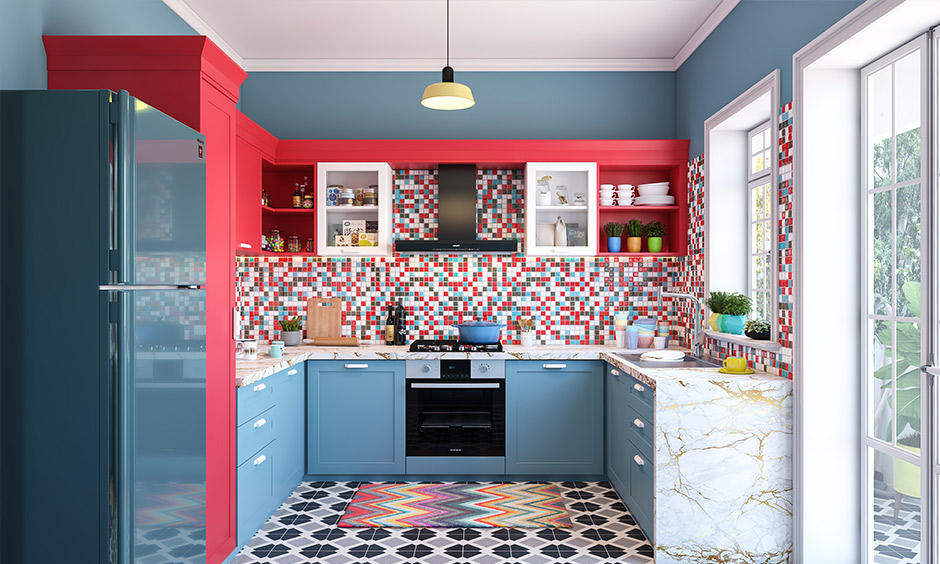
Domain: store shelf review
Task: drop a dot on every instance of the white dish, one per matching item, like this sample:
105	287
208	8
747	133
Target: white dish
663	355
608	192
653	189
625	186
664	183
607	186
654	200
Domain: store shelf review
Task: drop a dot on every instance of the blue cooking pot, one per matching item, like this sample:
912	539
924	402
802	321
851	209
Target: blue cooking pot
479	332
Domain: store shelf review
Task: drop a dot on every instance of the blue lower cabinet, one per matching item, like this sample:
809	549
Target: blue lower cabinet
555	417
356	417
257	499
618	469
641	490
291	445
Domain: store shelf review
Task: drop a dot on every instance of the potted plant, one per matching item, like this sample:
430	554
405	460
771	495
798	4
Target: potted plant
737	307
290	331
634	229
654	232
757	329
613	230
716	303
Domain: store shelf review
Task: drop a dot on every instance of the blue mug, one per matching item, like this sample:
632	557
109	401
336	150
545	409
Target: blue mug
277	349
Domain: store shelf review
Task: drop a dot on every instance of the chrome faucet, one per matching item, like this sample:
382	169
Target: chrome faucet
698	349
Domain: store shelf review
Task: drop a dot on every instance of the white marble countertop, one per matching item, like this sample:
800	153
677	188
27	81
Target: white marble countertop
250	371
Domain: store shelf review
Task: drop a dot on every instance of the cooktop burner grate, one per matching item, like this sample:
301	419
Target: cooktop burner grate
452	345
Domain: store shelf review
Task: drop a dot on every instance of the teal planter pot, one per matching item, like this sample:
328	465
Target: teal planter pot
613	244
733	324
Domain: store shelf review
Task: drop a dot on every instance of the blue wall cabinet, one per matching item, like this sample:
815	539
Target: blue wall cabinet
289	397
555	417
356	417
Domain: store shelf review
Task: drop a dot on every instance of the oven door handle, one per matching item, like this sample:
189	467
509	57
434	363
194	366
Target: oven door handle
427	386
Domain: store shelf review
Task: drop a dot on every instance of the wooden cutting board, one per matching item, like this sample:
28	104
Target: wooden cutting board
324	317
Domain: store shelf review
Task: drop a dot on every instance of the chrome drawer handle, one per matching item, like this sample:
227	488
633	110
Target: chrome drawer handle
260	423
638	424
639	461
639	387
292	372
356	365
615	372
260	387
554	366
260	460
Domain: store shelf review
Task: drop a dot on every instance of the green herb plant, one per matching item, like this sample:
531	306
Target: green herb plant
613	229
288	324
654	229
737	304
716	302
634	228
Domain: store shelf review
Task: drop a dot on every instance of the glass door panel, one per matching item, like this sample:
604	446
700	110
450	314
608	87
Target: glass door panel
897	420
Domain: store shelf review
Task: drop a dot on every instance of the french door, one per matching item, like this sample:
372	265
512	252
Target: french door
899	328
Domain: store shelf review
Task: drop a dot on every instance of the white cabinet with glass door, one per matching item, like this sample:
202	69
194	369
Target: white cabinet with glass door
561	209
361	226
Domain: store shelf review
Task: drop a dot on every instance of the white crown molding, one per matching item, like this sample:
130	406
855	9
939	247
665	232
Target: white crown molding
704	30
201	27
460	65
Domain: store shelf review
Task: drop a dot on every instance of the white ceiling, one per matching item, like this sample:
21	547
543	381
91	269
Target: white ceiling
486	35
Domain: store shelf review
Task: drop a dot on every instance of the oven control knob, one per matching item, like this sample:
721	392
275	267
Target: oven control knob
484	368
426	368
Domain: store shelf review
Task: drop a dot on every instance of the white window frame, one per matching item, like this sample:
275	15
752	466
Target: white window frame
757	180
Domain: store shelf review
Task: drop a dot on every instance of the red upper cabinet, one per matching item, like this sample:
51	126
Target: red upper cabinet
193	81
252	145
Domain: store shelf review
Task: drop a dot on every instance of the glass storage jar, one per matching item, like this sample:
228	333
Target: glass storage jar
293	244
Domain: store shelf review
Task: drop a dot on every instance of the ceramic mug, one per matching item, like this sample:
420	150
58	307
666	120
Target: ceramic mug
735	364
251	349
277	349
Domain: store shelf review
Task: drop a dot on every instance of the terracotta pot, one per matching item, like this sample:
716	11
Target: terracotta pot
634	244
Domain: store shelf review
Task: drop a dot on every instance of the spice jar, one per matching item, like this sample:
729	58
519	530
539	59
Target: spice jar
275	241
347	197
369	197
309	246
332	194
293	244
358	201
265	198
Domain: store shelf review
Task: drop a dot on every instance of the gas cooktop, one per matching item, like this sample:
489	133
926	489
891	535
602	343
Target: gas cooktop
452	345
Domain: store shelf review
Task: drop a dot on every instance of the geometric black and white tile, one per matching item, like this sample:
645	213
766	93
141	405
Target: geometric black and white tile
895	541
304	529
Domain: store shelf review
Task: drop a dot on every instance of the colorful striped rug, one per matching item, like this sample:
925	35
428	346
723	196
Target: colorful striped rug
456	505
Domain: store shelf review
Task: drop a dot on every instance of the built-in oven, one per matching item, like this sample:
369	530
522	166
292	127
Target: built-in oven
455	408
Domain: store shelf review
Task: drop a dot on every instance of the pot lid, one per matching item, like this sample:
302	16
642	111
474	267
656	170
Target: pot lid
478	323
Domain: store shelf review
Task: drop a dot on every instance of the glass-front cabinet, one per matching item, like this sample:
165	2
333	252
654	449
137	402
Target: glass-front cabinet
354	209
561	209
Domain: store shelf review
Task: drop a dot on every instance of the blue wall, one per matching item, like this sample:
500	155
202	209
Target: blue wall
24	22
757	37
525	105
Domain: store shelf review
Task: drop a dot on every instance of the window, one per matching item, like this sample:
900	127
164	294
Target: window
760	220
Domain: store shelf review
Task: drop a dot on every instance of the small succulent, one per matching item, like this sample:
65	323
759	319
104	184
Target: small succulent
634	228
288	324
756	326
613	229
654	229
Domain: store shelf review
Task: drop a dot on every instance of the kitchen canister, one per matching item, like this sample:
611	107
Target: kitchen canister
370	195
347	197
332	194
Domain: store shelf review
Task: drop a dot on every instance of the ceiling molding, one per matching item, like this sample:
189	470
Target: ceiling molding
461	65
201	27
707	27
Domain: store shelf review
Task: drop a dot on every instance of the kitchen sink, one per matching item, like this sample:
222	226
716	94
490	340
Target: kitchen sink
688	361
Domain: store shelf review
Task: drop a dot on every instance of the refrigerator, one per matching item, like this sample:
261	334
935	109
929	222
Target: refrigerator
102	331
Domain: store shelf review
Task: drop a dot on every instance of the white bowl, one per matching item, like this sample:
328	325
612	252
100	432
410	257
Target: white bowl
659	189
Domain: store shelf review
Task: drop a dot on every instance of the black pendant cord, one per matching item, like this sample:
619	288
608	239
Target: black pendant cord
448	32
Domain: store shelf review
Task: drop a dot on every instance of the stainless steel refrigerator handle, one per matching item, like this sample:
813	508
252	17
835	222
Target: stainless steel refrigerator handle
122	204
124	431
138	287
422	385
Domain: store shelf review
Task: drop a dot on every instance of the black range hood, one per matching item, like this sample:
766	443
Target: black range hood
457	217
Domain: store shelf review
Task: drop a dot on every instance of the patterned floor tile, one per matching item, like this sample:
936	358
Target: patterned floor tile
303	529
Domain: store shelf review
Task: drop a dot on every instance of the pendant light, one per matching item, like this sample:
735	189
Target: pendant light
447	94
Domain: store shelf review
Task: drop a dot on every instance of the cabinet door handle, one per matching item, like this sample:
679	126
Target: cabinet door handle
638	423
639	387
356	366
244	245
351	251
292	371
639	461
260	387
615	372
260	460
554	366
260	423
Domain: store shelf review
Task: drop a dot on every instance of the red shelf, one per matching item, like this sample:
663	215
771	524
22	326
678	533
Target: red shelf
637	208
637	255
269	209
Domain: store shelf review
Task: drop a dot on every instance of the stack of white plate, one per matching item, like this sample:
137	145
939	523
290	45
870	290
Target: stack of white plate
654	200
654	194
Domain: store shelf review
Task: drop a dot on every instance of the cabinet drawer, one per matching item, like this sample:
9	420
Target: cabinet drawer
640	432
254	398
641	397
255	433
256	497
641	489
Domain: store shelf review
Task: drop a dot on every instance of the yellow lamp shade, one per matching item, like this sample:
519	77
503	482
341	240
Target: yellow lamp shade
447	96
